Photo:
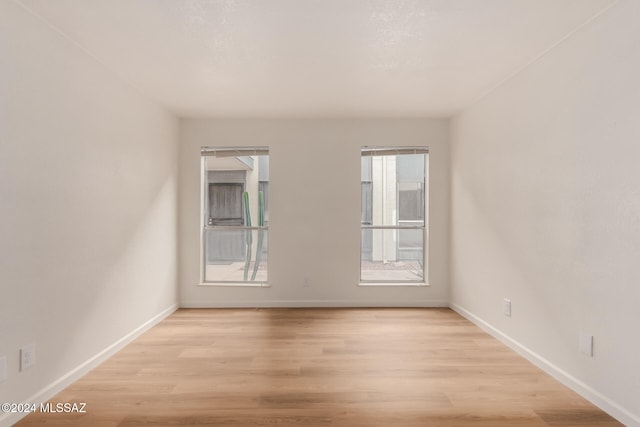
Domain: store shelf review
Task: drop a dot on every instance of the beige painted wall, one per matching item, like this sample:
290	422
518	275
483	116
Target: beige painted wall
88	190
546	209
314	227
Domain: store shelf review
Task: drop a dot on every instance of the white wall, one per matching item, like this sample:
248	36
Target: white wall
546	209
88	215
314	208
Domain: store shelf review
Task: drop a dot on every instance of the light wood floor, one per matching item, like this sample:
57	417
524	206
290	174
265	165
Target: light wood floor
320	367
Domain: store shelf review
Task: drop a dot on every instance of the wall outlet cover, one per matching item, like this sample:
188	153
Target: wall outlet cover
27	356
506	307
586	344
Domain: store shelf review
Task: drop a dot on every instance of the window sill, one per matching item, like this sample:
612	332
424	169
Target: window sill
234	285
394	284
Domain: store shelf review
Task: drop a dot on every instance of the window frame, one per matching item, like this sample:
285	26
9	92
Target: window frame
240	151
388	151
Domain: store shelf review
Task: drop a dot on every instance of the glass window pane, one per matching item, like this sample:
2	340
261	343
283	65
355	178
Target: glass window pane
235	212
410	201
411	168
393	204
410	239
367	199
225	204
365	170
264	188
236	255
382	259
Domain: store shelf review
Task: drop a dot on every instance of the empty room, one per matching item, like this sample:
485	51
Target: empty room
319	213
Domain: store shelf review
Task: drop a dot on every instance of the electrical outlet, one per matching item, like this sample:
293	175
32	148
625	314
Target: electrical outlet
586	344
506	307
3	368
27	356
307	282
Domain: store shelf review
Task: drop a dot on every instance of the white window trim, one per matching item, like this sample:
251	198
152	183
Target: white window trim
386	151
223	152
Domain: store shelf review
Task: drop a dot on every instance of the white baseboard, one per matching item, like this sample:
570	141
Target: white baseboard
70	377
593	396
312	304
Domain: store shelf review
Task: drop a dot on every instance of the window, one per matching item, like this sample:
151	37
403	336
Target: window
393	215
235	215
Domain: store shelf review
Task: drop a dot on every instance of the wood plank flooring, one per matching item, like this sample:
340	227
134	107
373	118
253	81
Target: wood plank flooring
319	367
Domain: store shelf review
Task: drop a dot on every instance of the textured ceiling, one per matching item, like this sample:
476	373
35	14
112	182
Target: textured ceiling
297	58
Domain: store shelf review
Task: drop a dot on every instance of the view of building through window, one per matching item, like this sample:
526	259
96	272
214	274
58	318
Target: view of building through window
393	220
235	214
